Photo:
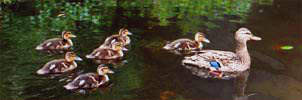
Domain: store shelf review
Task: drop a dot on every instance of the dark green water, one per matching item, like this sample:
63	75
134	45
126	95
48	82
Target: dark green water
152	73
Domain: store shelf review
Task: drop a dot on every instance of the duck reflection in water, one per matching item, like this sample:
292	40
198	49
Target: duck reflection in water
55	51
240	80
240	85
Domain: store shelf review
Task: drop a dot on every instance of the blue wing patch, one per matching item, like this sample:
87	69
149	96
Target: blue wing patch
215	64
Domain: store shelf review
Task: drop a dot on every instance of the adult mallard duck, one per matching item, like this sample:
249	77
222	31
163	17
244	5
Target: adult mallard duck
60	65
114	52
187	44
121	37
57	43
224	61
90	80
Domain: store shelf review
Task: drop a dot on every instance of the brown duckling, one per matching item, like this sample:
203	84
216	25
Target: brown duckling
90	80
121	37
60	65
114	52
57	43
187	44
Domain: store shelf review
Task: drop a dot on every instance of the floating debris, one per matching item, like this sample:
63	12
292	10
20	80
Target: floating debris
286	47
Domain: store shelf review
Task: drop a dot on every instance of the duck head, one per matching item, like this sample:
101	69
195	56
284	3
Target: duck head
200	37
244	34
103	70
67	35
117	46
124	32
71	56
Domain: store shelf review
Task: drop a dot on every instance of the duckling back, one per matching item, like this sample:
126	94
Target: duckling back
88	80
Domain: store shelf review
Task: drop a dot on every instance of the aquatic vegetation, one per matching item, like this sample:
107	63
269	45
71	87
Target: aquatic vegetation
191	14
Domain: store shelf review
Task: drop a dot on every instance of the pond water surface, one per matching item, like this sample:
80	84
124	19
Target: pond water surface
151	72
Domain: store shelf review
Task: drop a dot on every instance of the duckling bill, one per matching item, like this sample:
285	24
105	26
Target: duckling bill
60	65
187	44
57	43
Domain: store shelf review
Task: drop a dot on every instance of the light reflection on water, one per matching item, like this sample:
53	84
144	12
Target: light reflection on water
152	73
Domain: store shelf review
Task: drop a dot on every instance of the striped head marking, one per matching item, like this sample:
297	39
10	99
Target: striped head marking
67	35
117	46
103	70
71	56
200	37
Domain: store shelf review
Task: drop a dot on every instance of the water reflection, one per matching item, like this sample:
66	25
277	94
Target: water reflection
55	51
240	86
240	80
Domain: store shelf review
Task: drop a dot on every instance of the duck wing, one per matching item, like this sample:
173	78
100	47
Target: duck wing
83	81
53	43
213	59
103	53
55	66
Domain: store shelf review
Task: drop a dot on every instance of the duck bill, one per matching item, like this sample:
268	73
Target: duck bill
78	59
256	38
110	72
206	40
129	33
73	36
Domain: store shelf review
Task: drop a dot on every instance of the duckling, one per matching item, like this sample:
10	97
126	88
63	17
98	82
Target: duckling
60	65
187	44
224	61
121	37
108	53
90	80
57	43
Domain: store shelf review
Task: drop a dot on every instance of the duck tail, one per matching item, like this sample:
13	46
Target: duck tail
70	87
39	48
167	47
42	72
90	56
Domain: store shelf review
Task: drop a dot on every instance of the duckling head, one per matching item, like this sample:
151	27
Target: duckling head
103	70
124	32
200	37
244	34
117	46
67	35
71	56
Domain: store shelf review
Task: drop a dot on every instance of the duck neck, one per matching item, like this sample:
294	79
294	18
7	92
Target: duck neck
198	44
120	52
105	76
72	62
68	41
242	53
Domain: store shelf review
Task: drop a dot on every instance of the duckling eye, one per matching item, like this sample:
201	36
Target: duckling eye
248	33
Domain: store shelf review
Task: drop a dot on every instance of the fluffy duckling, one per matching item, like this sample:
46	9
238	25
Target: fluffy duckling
90	80
121	37
60	65
114	52
187	44
57	43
